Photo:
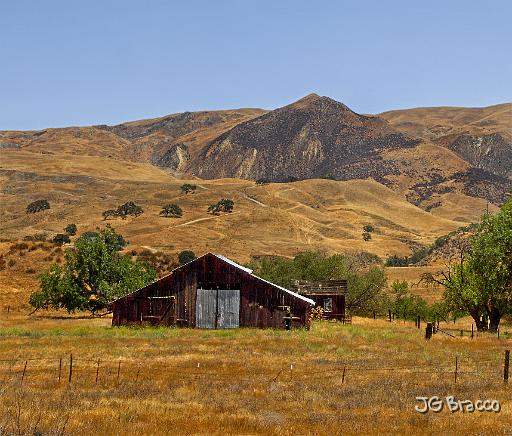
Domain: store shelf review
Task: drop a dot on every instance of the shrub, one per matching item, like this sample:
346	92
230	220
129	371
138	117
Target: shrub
71	229
171	210
397	261
368	228
37	237
38	206
61	239
188	188
186	256
367	236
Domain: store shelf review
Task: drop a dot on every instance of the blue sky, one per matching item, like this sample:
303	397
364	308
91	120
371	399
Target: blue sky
102	62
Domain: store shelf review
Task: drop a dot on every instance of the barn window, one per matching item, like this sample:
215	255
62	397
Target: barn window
327	304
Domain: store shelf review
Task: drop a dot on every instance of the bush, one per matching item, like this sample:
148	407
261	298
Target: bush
71	229
186	256
188	188
36	237
368	228
397	261
171	210
61	239
367	236
38	206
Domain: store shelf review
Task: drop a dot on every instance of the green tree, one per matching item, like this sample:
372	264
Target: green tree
71	229
366	280
491	264
93	275
171	210
186	256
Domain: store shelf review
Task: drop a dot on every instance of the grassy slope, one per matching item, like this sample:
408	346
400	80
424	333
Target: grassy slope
281	219
434	122
239	382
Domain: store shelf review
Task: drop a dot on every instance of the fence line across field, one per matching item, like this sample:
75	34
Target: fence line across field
67	369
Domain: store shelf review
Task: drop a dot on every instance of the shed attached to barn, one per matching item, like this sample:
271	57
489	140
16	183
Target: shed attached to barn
213	292
327	294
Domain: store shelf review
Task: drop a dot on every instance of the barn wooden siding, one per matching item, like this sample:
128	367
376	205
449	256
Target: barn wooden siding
172	299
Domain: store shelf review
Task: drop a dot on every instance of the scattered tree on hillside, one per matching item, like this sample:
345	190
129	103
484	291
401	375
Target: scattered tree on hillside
38	206
186	256
171	210
126	209
223	205
71	229
129	208
188	188
93	275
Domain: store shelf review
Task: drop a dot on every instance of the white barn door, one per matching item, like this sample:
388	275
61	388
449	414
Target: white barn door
218	308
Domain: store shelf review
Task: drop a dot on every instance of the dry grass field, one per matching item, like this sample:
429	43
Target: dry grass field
244	381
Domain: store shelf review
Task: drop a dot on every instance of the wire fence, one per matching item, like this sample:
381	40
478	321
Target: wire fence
107	371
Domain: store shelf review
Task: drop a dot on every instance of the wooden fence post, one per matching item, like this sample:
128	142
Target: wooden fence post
70	367
343	376
471	331
24	370
428	331
456	367
60	367
506	366
374	314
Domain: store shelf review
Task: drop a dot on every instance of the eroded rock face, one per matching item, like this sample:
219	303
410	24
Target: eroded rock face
313	137
489	152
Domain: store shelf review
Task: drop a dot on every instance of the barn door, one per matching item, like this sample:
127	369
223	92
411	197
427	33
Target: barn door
218	308
206	308
228	309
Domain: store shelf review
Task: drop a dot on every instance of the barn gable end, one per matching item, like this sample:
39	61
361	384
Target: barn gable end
224	286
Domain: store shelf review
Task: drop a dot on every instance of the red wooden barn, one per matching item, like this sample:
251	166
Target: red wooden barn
213	292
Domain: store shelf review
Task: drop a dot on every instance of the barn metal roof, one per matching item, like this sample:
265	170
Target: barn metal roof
225	259
236	265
